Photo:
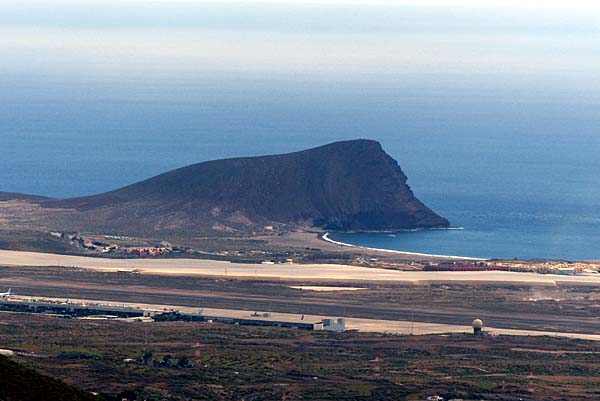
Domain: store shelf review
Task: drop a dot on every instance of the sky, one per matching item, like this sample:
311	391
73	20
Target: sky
345	40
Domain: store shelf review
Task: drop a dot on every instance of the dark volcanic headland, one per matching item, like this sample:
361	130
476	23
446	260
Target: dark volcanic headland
350	185
7	196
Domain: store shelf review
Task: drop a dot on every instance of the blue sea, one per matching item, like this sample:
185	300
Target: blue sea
494	117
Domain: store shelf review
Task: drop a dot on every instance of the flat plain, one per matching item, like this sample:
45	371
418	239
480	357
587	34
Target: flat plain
549	354
308	272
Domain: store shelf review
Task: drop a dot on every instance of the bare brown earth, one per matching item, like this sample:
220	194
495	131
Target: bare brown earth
25	225
222	363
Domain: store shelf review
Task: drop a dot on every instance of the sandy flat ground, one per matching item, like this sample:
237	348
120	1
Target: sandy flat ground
321	288
299	272
365	325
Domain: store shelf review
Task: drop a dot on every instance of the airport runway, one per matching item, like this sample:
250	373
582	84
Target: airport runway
144	288
360	324
347	308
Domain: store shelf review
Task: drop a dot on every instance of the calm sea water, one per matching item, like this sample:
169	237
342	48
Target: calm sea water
522	178
494	116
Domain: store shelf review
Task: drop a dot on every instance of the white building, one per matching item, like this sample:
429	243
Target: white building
338	324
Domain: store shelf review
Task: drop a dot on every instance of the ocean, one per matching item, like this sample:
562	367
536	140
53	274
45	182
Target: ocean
496	127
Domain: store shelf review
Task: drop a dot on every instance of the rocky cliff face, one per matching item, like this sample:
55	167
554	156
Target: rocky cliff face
351	185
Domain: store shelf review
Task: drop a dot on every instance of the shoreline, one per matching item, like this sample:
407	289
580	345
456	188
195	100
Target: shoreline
325	237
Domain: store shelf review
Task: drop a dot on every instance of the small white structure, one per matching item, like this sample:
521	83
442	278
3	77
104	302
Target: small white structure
7	352
477	327
566	271
338	324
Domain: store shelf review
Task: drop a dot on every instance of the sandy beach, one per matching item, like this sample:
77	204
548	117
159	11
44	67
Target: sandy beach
325	237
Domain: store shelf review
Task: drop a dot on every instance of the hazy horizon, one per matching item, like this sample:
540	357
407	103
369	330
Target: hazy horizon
332	40
417	65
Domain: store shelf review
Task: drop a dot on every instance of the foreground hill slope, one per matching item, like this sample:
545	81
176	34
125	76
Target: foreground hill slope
18	383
